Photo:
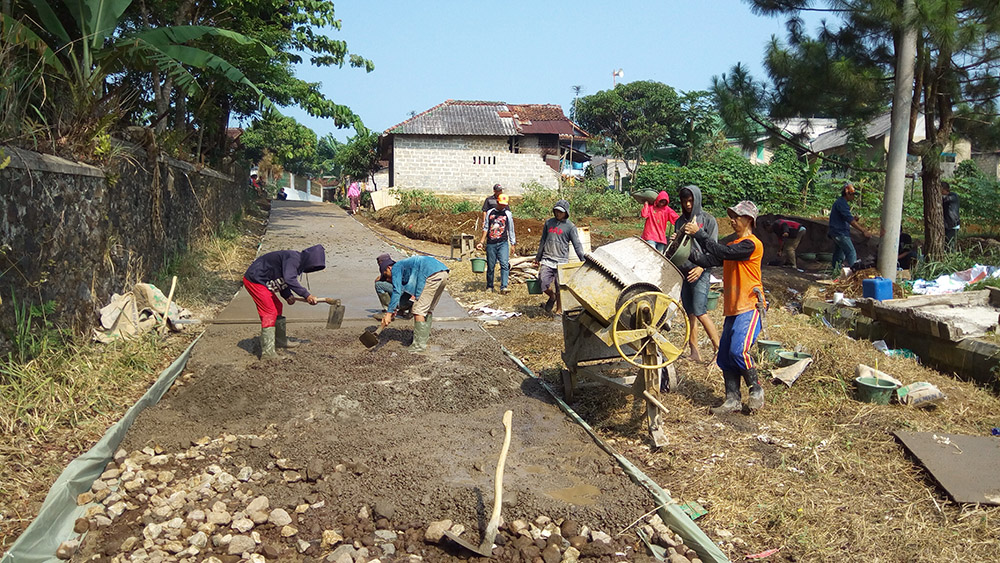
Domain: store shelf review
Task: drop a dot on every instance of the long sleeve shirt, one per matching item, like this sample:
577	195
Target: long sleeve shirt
410	275
740	270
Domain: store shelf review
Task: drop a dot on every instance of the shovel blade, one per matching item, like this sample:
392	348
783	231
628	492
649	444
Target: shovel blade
336	317
369	339
485	551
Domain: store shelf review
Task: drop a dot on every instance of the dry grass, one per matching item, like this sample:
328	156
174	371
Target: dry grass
816	472
58	405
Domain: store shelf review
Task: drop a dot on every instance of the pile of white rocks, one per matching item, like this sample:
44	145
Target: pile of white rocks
663	536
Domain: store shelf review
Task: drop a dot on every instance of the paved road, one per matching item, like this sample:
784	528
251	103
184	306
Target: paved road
350	271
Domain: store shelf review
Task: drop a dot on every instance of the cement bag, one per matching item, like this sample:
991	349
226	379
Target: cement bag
920	394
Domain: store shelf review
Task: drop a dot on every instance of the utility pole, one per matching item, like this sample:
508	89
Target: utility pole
895	177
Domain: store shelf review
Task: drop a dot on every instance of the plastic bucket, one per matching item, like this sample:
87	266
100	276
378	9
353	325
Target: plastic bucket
788	357
534	286
872	390
713	300
769	349
478	265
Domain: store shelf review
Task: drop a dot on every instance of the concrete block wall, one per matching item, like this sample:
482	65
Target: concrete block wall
465	165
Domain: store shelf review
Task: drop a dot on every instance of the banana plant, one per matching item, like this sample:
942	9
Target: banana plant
86	52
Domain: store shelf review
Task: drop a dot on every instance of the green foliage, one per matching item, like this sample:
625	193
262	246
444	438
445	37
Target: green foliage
292	144
592	199
536	201
952	262
729	177
979	195
33	333
463	206
359	157
418	201
633	118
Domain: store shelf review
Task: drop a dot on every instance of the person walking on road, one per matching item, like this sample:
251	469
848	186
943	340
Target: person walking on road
658	215
424	278
500	240
952	222
278	272
697	269
841	222
491	202
789	235
354	196
557	234
744	305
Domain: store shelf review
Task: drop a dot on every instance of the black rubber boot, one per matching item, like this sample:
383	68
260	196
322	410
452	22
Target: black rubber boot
732	403
756	401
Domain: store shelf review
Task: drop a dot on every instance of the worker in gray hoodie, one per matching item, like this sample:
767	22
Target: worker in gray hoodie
557	234
697	269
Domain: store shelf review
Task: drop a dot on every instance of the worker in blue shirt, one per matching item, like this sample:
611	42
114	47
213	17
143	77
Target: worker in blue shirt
424	278
841	221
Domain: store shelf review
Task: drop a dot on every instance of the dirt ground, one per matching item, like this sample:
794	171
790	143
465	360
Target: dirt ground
816	474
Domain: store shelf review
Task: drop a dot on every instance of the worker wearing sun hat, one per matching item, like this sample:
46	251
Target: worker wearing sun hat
499	238
743	304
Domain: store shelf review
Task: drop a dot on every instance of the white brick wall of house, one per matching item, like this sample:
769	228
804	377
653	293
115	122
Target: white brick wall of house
465	165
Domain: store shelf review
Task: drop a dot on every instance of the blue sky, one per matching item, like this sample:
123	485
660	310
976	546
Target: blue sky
528	51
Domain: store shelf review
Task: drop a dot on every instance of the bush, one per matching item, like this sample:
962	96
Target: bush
978	194
463	206
419	201
537	201
591	199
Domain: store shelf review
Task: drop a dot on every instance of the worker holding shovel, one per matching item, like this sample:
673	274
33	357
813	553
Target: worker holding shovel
277	273
743	304
424	278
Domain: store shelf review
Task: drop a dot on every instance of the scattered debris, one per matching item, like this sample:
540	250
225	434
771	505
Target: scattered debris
789	374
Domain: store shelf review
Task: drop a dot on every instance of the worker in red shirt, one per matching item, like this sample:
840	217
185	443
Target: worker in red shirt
789	235
743	304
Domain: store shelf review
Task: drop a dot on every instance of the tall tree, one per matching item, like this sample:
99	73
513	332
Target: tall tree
845	72
632	118
359	157
292	144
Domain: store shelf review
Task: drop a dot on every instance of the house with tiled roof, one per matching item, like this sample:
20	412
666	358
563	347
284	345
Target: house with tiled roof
468	146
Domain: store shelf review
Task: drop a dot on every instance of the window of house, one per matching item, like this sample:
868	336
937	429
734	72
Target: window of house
515	145
948	157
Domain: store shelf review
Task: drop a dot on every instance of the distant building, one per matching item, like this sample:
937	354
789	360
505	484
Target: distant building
877	134
468	146
802	129
988	162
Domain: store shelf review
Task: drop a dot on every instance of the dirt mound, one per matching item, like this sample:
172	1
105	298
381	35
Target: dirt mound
439	226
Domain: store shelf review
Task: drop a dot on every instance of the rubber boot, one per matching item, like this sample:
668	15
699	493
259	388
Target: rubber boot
281	334
732	403
421	333
384	299
756	401
267	351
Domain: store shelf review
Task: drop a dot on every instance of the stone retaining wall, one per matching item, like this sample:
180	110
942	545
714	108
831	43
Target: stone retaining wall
74	234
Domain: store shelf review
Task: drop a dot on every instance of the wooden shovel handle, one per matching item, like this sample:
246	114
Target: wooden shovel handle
498	481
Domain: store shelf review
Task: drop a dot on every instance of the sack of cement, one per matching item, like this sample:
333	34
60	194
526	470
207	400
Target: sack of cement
920	394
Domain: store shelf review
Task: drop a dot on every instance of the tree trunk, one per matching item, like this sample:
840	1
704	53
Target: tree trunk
933	210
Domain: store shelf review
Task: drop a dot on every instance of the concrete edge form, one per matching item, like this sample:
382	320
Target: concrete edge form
668	509
59	511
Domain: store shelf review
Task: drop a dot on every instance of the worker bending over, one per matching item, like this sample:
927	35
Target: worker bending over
422	277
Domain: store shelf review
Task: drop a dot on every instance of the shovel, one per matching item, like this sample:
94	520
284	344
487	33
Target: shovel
486	548
370	337
336	316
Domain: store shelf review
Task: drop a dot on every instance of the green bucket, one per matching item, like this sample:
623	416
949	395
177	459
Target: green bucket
478	265
872	390
769	349
534	286
788	357
713	300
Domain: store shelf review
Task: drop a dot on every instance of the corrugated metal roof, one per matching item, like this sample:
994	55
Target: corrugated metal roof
459	118
838	137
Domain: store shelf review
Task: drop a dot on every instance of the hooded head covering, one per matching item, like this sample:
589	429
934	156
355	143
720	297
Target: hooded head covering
384	261
695	192
561	205
313	258
662	196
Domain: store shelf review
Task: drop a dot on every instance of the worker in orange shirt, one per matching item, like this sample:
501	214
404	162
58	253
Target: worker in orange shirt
743	304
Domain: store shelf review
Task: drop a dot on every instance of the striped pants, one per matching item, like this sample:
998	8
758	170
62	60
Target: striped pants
739	333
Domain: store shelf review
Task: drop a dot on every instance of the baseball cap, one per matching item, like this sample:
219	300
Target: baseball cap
503	199
497	188
559	208
745	208
384	261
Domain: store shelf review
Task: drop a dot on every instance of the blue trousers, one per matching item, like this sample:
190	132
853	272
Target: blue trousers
843	250
497	251
739	332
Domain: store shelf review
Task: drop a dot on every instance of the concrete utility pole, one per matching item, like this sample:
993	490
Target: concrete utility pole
895	176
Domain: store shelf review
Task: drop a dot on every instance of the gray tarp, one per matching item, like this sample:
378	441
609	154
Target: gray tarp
54	523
